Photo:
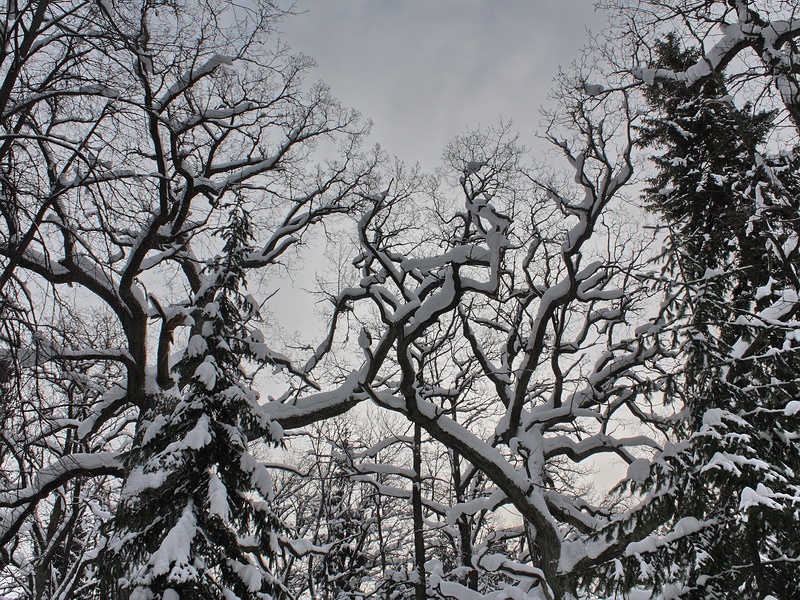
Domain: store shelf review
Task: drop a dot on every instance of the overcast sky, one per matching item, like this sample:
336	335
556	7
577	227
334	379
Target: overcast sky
427	70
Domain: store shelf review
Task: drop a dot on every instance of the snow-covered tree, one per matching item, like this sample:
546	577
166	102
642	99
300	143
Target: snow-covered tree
217	534
128	131
345	534
541	328
156	164
48	551
726	492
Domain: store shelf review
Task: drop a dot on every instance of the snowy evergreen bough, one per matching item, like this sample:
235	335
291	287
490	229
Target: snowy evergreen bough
195	518
725	493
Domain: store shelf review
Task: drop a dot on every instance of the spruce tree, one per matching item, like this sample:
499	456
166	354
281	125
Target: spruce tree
195	518
723	502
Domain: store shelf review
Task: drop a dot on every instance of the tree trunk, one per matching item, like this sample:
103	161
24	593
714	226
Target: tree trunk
416	500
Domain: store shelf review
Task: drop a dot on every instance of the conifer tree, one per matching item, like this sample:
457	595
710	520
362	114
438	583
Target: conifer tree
729	491
195	520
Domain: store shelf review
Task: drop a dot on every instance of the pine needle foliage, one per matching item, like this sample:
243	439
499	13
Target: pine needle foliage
720	505
195	519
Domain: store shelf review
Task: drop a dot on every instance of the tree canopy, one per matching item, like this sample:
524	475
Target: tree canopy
496	336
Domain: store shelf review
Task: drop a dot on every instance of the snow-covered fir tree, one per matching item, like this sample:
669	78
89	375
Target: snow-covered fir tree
194	519
727	494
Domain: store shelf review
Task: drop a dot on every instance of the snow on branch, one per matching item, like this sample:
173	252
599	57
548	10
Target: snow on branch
54	475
